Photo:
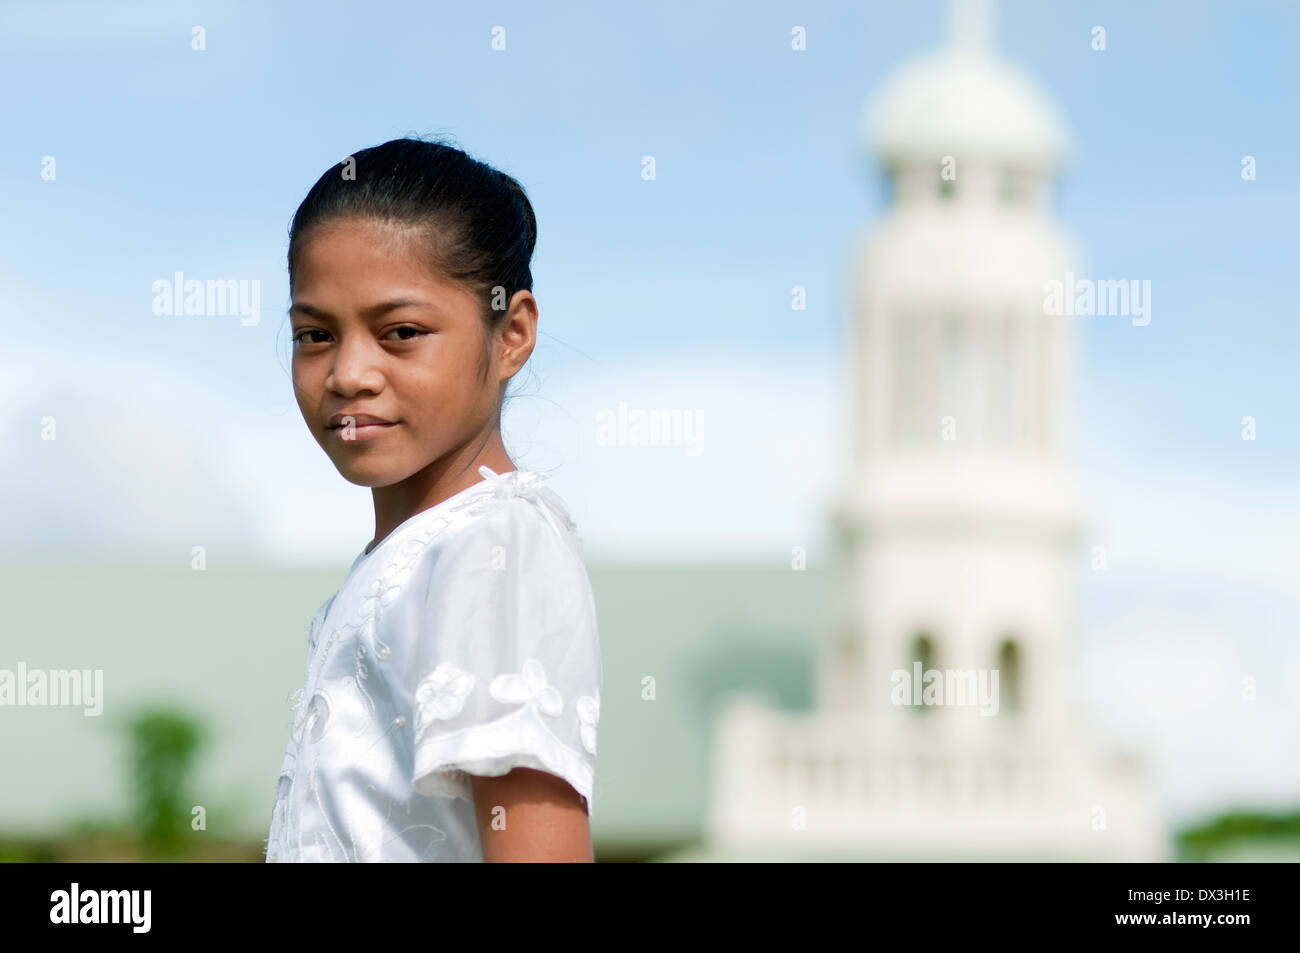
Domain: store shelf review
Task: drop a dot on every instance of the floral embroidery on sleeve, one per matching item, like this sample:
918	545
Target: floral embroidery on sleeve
441	694
588	716
530	687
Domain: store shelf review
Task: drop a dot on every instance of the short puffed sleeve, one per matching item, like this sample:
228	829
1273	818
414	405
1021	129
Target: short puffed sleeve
508	669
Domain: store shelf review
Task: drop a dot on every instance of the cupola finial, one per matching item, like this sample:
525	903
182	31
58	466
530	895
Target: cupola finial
970	26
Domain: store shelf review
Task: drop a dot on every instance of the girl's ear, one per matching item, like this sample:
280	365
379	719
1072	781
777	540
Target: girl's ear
519	332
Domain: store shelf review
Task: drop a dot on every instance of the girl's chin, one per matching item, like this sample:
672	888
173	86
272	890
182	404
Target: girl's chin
373	477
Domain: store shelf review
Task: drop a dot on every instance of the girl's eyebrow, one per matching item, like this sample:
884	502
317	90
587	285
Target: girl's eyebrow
369	314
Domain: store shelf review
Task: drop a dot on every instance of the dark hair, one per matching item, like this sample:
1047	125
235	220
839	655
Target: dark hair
477	222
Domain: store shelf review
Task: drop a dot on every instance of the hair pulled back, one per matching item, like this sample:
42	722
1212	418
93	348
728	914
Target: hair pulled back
476	222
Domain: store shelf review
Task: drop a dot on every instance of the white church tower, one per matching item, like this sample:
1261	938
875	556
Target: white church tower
958	527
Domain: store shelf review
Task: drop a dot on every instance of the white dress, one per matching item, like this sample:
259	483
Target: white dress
464	643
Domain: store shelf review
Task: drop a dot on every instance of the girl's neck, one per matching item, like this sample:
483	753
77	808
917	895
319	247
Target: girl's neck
437	482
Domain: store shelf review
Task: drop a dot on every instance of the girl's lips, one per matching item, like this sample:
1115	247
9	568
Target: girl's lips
359	432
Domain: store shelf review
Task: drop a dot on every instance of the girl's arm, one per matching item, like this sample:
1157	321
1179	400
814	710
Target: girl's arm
531	816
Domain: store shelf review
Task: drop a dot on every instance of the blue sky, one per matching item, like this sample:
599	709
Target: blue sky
171	159
671	294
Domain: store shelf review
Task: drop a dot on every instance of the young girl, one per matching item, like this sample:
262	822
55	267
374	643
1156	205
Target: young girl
453	682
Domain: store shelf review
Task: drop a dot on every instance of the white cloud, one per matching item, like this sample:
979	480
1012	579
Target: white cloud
131	471
757	486
148	461
1222	530
1169	682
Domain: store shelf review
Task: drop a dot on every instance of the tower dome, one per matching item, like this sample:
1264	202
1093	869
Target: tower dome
963	101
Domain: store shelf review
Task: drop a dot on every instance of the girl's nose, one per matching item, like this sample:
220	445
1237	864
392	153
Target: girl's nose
355	369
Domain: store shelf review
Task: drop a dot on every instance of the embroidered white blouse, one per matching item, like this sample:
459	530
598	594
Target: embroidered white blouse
463	643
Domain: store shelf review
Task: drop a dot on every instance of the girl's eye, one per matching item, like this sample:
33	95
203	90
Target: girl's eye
303	336
406	327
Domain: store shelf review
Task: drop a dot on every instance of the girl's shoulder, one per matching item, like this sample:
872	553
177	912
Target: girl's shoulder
520	500
517	517
510	513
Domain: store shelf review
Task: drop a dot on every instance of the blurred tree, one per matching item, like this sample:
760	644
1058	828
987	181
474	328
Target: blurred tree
165	744
1199	842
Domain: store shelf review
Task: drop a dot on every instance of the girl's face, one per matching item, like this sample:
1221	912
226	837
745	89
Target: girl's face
379	339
